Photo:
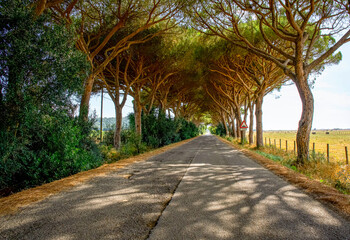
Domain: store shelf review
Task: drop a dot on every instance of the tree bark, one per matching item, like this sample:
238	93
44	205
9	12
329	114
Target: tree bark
238	120
234	127
138	113
238	129
85	99
305	123
258	116
251	123
224	123
118	126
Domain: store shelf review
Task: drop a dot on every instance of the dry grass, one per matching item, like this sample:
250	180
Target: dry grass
317	190
334	174
337	140
10	204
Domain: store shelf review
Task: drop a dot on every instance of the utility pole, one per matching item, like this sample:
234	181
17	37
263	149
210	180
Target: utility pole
101	137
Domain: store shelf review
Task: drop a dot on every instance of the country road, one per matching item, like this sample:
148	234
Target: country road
204	189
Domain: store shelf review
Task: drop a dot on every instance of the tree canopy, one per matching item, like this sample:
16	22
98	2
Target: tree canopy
187	59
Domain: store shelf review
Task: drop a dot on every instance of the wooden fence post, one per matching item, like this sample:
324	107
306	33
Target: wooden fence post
280	144
275	142
265	141
346	155
327	152
295	147
270	142
286	145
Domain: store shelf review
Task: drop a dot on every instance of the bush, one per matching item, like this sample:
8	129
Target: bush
41	71
159	130
51	147
218	130
108	136
131	144
202	129
109	153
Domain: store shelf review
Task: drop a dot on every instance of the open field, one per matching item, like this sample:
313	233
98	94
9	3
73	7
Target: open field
337	140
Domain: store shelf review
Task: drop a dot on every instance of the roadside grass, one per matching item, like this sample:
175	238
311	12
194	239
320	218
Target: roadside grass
334	174
337	140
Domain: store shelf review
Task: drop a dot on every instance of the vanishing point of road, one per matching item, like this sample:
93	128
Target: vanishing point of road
203	189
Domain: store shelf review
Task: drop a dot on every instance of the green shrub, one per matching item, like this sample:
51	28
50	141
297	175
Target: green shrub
108	136
159	130
219	130
131	143
229	139
202	129
53	147
41	72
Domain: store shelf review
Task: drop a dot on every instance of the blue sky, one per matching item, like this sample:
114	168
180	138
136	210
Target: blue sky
282	110
332	100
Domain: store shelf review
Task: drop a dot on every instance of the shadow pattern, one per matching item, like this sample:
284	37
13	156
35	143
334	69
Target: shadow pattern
225	195
122	205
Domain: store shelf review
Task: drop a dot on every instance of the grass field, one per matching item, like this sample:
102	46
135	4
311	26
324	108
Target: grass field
337	140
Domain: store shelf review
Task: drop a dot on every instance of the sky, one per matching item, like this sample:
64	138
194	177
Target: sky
282	110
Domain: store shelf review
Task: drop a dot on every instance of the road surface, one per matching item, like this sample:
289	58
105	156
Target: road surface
204	189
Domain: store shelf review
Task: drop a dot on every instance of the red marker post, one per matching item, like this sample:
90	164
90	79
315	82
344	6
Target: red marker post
243	128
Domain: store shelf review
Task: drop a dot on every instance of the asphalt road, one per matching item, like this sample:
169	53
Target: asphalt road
225	195
215	192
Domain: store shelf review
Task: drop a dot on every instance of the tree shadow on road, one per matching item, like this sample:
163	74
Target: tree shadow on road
223	195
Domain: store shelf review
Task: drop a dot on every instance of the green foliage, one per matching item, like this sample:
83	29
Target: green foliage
317	157
158	130
132	144
109	153
108	136
270	156
51	147
219	130
41	71
230	139
202	129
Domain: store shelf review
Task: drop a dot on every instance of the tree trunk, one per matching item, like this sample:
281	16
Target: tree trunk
238	120
169	114
305	123
85	99
258	116
118	127
238	129
226	129
234	130
224	123
138	112
245	112
251	123
232	126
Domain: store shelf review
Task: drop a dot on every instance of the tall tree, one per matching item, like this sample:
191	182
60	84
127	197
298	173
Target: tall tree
98	24
257	76
299	32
